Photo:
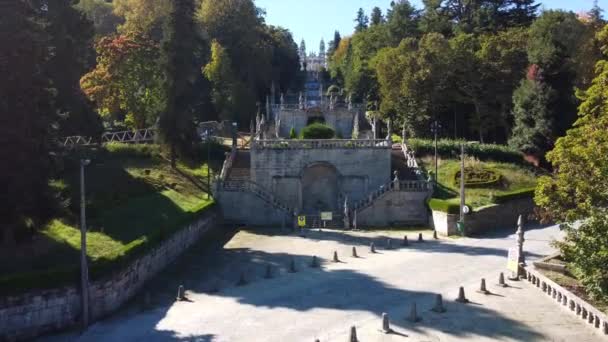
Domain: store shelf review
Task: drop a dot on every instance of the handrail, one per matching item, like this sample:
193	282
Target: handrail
141	135
321	144
227	166
253	188
393	186
410	159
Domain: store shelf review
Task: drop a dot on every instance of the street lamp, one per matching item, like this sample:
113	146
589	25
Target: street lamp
435	127
84	270
463	208
207	140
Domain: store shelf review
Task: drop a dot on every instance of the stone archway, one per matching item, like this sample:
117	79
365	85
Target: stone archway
320	188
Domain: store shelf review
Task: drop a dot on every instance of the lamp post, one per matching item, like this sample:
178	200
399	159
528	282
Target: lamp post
435	127
207	139
462	199
84	268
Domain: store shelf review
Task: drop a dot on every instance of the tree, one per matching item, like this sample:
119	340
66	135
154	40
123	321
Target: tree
333	45
219	72
143	16
176	122
101	13
402	21
26	118
362	21
521	12
532	132
434	18
285	60
127	83
71	38
577	190
377	18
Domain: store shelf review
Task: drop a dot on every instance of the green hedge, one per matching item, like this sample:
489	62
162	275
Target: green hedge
451	149
445	206
317	131
513	195
494	181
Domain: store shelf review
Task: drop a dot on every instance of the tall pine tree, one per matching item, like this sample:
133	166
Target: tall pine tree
26	117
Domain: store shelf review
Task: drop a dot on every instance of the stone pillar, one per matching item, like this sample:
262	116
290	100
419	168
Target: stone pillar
396	183
346	214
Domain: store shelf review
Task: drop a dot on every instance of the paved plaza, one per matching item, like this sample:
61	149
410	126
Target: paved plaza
323	303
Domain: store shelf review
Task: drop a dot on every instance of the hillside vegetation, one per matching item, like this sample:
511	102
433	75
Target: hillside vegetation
134	201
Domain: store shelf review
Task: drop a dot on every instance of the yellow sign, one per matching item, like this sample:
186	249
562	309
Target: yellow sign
301	221
512	260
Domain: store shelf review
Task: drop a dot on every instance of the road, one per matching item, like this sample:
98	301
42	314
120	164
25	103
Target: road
323	303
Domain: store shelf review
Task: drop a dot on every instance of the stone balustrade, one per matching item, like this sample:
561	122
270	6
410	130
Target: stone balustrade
596	319
321	144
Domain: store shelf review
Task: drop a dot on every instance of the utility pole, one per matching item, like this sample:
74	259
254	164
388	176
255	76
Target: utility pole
208	138
462	199
84	268
435	127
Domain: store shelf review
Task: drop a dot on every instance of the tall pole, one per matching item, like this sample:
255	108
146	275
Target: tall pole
208	165
462	199
435	129
84	270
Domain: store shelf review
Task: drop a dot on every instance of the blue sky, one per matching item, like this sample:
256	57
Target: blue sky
315	19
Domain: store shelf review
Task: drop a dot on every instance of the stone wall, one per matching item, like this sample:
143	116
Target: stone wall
484	219
34	313
245	207
340	119
395	208
359	170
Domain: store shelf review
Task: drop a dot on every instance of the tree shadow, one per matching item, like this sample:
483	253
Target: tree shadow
204	270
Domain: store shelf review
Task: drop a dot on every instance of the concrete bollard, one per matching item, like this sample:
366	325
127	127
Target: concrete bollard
435	235
605	328
564	300
420	239
461	297
559	297
590	318
314	263
413	317
372	248
242	281
292	266
336	257
501	280
181	295
438	307
355	252
405	242
268	273
386	325
584	313
579	309
572	306
482	287
389	243
353	335
597	322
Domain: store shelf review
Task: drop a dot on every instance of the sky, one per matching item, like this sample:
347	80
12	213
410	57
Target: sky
313	20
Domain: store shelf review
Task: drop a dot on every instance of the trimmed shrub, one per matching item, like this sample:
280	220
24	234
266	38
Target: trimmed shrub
513	195
451	149
133	150
292	133
317	131
478	178
445	206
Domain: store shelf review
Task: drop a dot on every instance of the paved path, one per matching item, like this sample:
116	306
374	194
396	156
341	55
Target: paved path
324	303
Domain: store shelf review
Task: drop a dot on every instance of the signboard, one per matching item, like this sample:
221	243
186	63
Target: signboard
326	216
301	221
512	260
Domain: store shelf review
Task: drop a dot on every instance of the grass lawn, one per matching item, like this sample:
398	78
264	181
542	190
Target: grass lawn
514	178
134	200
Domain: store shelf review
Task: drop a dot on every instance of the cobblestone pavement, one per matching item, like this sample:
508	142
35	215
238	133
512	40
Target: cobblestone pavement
323	303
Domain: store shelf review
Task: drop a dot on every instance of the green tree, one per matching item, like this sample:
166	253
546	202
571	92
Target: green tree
101	13
26	117
362	21
219	72
434	18
71	38
377	18
521	12
333	45
532	132
176	123
285	60
402	21
577	190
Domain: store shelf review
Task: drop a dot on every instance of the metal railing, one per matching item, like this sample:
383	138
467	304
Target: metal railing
77	141
321	144
393	186
137	136
256	189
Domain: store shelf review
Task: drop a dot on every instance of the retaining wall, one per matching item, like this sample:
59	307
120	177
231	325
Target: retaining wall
484	219
34	313
395	208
